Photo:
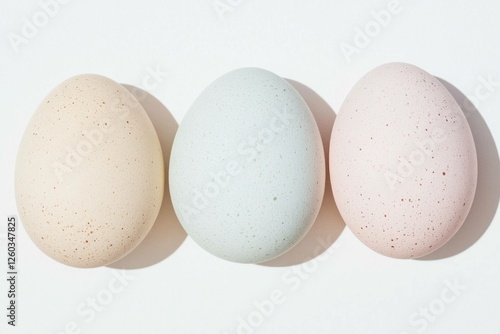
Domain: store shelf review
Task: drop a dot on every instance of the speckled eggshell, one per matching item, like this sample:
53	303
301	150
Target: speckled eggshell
403	163
247	169
89	173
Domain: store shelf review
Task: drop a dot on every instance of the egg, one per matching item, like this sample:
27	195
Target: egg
247	169
403	162
89	173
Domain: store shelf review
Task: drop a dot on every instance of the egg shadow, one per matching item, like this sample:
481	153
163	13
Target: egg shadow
329	224
167	234
485	203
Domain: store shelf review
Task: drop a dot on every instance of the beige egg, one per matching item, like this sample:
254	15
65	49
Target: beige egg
89	173
403	162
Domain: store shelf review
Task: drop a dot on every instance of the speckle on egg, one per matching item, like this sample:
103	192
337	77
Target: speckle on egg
417	168
247	169
87	192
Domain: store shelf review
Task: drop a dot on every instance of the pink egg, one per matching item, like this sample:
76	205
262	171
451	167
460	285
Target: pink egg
403	162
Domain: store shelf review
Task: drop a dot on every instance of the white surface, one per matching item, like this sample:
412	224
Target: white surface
176	286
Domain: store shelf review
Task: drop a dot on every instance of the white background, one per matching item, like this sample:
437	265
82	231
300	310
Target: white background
170	285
